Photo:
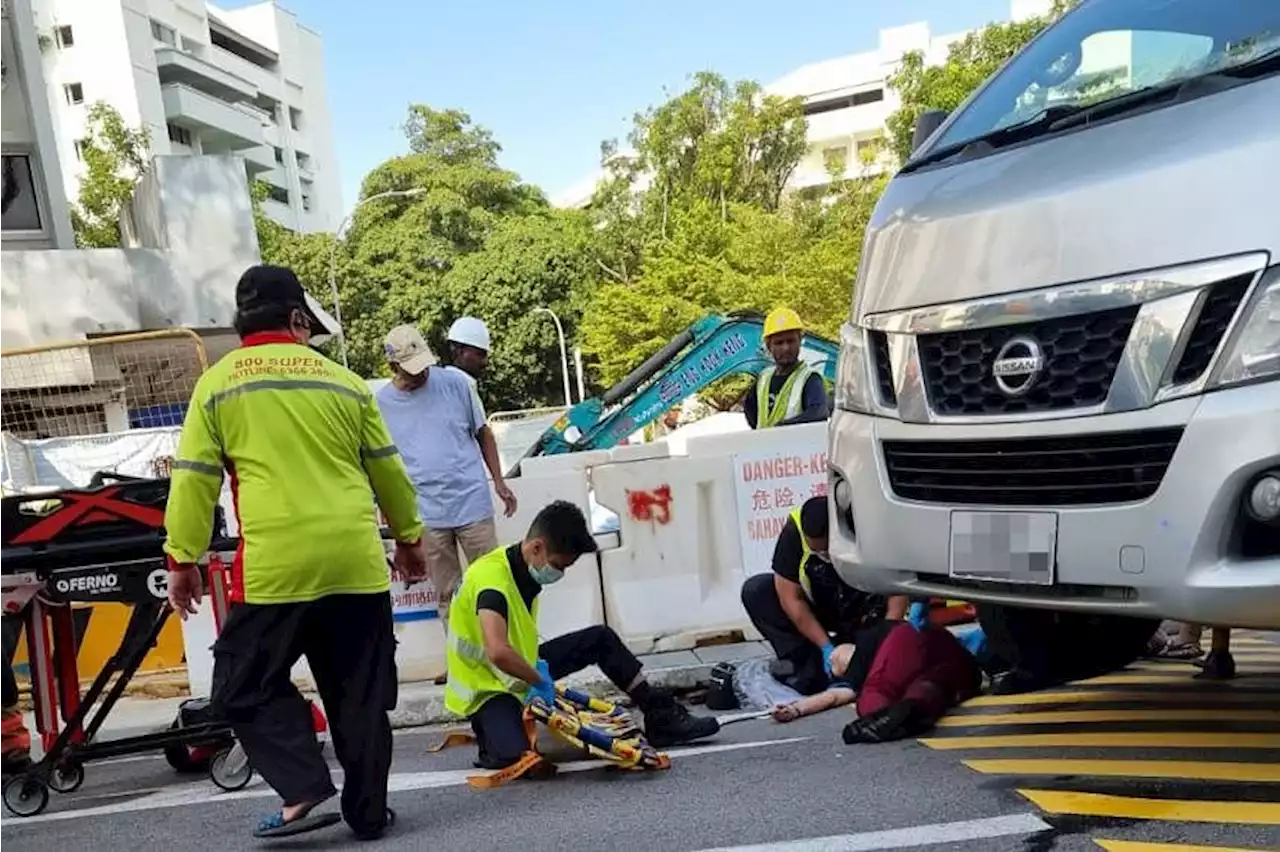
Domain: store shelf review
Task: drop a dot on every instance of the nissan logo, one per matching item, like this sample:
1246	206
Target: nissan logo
1018	365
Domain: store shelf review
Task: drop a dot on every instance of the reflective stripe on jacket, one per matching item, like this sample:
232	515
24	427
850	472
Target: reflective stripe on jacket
473	680
805	553
790	399
307	451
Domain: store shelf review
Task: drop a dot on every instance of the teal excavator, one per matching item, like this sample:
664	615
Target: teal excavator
712	348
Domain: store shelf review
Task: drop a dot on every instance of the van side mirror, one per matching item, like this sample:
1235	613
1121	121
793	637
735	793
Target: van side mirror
927	122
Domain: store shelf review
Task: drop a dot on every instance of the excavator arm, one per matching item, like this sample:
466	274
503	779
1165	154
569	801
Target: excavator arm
714	347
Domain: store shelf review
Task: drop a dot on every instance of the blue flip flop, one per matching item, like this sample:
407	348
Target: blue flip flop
276	825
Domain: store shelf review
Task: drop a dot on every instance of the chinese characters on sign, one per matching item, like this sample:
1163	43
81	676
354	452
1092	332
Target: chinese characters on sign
771	485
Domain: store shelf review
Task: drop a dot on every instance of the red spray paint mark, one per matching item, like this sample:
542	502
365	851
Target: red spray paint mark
652	505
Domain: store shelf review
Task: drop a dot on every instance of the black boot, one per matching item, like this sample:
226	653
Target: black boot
668	723
1218	665
895	722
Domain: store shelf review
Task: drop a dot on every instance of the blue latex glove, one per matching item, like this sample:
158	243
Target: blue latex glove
545	688
827	650
974	641
918	615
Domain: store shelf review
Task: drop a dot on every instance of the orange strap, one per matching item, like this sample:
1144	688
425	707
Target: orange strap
528	761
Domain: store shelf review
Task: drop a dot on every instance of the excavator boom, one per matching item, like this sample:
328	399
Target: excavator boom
714	347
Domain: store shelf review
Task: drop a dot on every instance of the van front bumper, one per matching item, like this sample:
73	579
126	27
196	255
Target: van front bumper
1182	557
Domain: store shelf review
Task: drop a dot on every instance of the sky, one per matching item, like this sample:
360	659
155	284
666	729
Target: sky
553	78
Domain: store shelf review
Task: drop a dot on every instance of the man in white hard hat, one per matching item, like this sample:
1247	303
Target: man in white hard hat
469	346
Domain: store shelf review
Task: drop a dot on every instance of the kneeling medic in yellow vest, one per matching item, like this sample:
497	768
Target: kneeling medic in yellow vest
497	666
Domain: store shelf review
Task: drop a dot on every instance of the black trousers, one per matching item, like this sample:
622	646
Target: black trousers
12	626
760	599
499	724
349	642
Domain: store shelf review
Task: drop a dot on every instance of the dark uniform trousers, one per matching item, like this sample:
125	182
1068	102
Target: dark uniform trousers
499	723
349	642
760	599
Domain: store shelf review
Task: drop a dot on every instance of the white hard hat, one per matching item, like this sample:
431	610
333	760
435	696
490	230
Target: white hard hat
470	331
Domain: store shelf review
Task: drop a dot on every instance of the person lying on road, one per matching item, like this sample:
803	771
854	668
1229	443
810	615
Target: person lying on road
803	608
496	664
903	675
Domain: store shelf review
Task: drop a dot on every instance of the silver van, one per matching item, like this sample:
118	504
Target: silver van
1060	388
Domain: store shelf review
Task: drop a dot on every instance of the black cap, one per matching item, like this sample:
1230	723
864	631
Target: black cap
266	286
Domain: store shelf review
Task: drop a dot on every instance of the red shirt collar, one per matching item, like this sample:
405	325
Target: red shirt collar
262	338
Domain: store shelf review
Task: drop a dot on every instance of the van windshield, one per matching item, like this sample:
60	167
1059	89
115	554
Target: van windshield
1108	49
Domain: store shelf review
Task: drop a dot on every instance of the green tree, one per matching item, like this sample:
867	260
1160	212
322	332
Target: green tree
970	61
114	156
698	220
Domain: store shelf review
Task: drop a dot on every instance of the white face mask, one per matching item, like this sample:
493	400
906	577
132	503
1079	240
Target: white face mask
545	575
823	555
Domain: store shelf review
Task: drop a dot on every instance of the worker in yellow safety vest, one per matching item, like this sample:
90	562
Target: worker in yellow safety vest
789	391
496	664
307	452
803	608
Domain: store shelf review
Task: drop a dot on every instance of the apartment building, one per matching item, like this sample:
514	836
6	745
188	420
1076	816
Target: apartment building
201	80
34	200
847	101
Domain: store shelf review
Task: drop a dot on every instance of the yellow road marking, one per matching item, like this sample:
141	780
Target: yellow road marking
1188	770
1177	810
1142	846
1056	717
1246	667
1108	739
1121	696
1143	678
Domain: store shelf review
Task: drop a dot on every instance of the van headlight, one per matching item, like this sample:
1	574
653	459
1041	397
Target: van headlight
1254	354
853	386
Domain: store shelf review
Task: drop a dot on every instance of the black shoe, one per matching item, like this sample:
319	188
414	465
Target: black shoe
668	723
1017	681
376	833
1218	665
891	723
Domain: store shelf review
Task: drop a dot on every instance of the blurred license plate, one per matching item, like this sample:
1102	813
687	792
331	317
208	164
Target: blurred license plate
1009	547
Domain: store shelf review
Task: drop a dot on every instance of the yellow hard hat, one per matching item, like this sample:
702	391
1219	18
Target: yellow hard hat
780	320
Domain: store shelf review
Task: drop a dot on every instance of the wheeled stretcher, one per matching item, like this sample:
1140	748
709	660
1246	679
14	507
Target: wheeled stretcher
97	545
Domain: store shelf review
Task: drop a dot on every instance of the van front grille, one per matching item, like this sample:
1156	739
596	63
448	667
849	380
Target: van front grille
1078	470
1080	354
1220	306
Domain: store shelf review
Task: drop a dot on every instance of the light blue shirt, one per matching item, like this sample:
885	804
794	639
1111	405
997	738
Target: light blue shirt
435	429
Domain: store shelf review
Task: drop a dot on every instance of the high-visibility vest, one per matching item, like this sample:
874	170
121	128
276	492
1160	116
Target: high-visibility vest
473	680
789	401
805	553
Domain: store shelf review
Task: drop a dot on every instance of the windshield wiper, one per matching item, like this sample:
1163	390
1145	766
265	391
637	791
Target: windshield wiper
1029	128
1263	63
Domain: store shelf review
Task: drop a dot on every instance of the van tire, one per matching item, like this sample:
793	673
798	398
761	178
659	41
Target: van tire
1062	646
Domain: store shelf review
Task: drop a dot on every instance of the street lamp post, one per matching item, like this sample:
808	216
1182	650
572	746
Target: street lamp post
564	355
333	256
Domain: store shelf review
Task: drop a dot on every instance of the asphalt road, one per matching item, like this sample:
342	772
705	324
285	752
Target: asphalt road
1142	757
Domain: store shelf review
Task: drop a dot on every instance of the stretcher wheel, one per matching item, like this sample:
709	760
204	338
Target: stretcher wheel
230	769
66	778
25	796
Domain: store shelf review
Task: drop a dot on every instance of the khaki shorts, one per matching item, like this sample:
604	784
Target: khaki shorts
444	565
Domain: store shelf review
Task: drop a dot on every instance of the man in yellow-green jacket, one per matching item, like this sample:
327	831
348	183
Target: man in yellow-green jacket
307	452
497	664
